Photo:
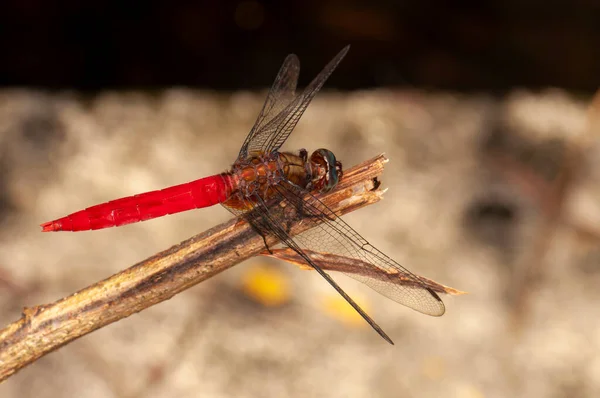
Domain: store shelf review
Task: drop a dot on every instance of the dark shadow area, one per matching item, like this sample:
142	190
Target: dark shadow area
240	44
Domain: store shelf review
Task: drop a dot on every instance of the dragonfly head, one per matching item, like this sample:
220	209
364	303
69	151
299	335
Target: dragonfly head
326	170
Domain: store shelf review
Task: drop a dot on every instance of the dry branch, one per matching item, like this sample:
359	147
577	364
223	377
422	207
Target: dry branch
331	262
44	328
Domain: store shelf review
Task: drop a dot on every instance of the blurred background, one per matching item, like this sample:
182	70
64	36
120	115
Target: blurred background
485	110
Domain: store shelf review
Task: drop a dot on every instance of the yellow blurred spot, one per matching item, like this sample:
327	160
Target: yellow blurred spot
266	285
338	308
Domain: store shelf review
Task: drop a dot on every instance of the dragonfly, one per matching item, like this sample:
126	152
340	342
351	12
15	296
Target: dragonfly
270	189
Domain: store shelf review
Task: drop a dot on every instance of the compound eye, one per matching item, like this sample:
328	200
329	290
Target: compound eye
329	169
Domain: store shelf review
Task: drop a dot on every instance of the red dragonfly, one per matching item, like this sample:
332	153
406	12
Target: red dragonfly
268	189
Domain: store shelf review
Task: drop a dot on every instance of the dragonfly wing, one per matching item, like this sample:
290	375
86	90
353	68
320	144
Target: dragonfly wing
281	94
330	234
271	219
272	133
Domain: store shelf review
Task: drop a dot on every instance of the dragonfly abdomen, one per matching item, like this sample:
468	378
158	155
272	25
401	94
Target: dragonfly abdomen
192	195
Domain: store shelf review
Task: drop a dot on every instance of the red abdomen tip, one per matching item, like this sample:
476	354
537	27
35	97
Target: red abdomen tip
50	226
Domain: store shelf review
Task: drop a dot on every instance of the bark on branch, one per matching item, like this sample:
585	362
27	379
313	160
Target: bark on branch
44	328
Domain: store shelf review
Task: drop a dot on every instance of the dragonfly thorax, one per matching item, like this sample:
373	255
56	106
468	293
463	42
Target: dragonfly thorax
319	173
255	176
258	175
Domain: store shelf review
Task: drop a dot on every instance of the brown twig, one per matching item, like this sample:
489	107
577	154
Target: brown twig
45	328
331	262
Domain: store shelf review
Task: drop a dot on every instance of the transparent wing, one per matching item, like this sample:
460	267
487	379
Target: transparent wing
270	132
282	92
330	234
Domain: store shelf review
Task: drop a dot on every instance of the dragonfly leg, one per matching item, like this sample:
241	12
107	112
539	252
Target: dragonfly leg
303	153
264	237
307	215
302	214
266	244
